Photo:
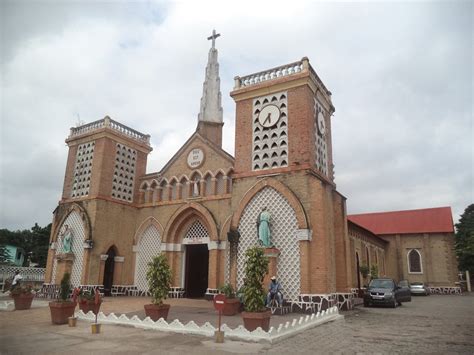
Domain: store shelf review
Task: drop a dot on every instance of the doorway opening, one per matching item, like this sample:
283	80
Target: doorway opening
109	271
196	271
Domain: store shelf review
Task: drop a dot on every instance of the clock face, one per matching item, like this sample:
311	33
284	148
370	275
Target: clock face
321	124
269	116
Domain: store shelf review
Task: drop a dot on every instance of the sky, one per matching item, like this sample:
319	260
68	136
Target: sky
400	73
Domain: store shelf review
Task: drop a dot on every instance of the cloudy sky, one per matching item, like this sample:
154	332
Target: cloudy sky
401	76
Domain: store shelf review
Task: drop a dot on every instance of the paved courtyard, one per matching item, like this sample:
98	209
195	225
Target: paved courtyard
435	324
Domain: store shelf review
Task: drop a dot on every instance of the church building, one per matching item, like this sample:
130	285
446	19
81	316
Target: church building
202	208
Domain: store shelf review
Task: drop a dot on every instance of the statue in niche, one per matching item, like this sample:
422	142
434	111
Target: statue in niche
263	222
67	239
196	187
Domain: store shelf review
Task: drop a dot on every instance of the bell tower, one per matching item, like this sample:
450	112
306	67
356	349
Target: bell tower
105	160
283	122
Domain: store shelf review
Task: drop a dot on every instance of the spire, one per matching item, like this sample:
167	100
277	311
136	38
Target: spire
211	107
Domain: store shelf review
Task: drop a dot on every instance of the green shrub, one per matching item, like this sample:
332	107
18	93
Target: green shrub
65	287
256	267
364	270
227	290
159	279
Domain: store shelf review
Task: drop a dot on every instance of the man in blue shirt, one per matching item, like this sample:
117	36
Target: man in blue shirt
274	292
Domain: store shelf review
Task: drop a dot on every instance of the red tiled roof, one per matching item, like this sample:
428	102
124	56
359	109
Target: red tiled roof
427	220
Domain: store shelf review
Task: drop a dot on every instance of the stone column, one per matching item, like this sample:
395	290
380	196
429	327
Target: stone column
64	264
213	270
118	270
305	236
103	259
272	254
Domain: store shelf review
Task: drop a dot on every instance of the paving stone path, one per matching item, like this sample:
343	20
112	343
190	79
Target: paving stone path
434	325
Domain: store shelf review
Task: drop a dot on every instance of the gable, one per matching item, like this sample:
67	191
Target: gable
197	155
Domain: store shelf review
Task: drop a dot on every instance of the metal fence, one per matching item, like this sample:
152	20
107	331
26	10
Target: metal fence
28	274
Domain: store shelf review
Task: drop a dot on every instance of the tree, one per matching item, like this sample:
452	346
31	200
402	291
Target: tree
4	255
34	242
464	244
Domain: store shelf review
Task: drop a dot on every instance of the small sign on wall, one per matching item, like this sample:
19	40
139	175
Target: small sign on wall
195	158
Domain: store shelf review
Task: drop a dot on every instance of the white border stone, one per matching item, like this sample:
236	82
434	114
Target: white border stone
272	336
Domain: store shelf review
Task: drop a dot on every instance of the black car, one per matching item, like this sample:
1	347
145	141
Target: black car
384	292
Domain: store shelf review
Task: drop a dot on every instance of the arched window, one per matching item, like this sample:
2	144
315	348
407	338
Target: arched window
414	261
220	184
174	189
209	187
184	188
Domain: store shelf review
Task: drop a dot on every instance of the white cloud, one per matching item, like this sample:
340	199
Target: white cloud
400	73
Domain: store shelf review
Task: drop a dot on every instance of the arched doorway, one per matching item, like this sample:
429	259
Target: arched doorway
196	268
109	270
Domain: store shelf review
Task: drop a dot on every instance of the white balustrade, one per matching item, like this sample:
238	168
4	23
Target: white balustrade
114	125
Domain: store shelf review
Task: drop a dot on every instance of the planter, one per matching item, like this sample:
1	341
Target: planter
87	306
231	307
95	328
253	320
61	311
156	312
23	301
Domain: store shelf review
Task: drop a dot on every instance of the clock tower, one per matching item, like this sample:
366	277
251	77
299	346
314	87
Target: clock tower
283	122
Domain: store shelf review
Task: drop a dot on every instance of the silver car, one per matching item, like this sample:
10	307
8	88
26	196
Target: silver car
419	288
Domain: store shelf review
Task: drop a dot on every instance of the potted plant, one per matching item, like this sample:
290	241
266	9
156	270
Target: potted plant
63	307
232	303
255	314
22	296
87	301
159	280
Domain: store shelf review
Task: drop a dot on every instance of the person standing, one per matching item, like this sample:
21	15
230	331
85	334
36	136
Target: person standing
16	279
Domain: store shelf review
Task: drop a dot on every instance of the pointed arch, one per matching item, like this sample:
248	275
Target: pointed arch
84	217
144	186
281	188
182	218
415	265
220	183
150	221
208	184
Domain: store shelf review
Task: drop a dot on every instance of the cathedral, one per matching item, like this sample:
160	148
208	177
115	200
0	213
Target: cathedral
202	208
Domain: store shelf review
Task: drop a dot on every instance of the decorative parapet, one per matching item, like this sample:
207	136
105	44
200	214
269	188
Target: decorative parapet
109	123
274	335
277	73
270	74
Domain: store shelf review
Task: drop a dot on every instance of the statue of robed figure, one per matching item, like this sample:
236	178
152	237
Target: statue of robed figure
264	228
67	239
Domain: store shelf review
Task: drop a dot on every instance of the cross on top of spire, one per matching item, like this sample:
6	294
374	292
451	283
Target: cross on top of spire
213	38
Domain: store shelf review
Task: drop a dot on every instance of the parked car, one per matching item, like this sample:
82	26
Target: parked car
419	288
383	292
405	293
